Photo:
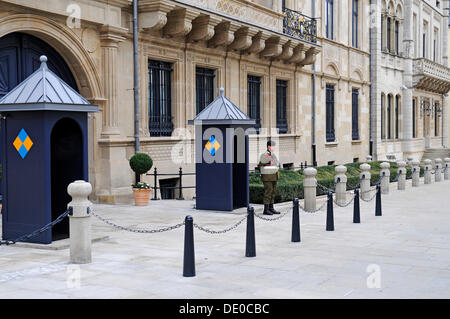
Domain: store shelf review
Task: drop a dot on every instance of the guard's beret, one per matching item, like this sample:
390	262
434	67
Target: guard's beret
271	143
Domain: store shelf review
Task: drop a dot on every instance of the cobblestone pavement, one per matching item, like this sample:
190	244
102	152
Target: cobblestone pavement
407	249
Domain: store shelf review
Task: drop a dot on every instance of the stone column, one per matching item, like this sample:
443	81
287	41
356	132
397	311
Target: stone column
447	169
365	183
438	173
309	188
445	121
386	178
427	178
416	173
110	38
341	186
409	161
401	171
80	222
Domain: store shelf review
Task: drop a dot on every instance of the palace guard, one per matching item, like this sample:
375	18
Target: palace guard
268	166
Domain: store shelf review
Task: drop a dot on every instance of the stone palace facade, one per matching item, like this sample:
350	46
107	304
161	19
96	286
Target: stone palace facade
302	69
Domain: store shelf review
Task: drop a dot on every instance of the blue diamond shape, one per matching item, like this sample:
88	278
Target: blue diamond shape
212	139
23	151
212	151
23	135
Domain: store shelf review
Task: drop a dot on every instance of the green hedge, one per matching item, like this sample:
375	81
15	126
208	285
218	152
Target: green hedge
290	184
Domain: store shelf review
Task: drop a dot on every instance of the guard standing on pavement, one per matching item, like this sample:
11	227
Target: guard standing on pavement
268	166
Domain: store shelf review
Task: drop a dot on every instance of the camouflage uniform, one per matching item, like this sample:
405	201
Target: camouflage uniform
269	180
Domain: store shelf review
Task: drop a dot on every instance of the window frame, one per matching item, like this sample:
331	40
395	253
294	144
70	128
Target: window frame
254	85
329	25
355	114
355	23
281	106
330	102
207	76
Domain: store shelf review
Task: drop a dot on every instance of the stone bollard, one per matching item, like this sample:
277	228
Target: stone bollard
427	176
401	172
80	222
365	183
309	187
341	186
369	158
385	179
409	161
447	168
438	173
416	173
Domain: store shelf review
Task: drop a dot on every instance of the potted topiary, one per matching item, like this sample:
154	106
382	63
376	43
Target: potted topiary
141	163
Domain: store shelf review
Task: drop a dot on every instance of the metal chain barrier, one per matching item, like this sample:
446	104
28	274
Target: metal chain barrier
215	232
357	185
412	173
38	231
314	211
345	205
276	218
133	230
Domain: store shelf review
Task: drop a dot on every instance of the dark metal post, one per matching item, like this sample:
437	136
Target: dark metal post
189	255
180	189
155	187
378	201
356	209
330	217
250	245
295	222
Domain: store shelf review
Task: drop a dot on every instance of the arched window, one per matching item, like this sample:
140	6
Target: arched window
388	35
389	114
383	117
355	23
397	115
397	44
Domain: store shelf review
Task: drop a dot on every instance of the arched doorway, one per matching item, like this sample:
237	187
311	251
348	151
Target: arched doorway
19	57
66	166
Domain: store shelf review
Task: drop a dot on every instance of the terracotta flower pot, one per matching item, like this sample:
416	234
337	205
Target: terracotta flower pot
141	196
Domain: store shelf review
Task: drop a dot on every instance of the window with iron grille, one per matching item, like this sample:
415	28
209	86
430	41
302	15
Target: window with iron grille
355	23
436	119
355	114
254	99
282	125
160	104
204	88
330	136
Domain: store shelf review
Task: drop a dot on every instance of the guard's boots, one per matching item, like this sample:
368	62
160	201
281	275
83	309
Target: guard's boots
272	210
266	210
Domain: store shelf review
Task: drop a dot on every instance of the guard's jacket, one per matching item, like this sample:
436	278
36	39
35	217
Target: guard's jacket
268	159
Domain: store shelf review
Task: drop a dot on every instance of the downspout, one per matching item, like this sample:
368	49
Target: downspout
313	117
137	115
370	89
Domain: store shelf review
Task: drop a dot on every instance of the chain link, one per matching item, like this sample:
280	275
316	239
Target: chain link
314	211
133	230
38	231
347	204
215	232
276	218
368	200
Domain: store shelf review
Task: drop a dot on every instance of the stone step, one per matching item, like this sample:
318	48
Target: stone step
433	153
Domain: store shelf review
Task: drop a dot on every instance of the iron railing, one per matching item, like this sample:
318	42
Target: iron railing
300	26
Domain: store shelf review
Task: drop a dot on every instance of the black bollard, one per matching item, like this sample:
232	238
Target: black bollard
356	210
295	222
250	246
378	201
189	255
330	217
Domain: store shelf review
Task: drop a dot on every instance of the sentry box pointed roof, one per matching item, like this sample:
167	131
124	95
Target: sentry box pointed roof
221	111
45	91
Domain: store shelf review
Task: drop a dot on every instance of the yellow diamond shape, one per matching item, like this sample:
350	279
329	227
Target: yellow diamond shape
208	145
17	143
216	145
28	143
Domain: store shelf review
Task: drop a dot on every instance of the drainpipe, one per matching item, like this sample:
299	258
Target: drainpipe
313	78
371	44
137	142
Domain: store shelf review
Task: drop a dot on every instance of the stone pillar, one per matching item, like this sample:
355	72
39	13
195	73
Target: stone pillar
110	38
438	174
369	158
341	186
386	178
447	169
365	183
401	171
427	178
309	188
409	161
416	173
80	222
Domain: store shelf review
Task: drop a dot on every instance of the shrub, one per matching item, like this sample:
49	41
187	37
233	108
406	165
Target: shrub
141	163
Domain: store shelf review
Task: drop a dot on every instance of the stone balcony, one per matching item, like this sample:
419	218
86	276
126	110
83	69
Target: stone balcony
241	26
431	76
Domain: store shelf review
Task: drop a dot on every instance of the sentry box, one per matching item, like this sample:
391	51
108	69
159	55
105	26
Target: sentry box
221	151
44	149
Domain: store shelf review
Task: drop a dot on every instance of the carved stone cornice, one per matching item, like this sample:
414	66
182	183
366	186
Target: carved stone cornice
153	15
202	28
288	51
311	55
111	36
272	48
179	22
258	43
242	39
224	34
299	54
